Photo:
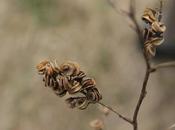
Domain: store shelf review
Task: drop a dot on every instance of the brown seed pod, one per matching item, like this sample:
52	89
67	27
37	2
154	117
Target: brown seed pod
78	102
88	83
79	76
93	95
75	87
149	15
156	41
69	68
158	27
47	67
63	84
68	78
41	67
50	72
150	49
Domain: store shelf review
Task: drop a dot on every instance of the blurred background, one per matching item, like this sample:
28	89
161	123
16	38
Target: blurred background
91	33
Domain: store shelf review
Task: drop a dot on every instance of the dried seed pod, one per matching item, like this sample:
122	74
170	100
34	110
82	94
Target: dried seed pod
82	104
79	102
79	76
150	49
47	67
61	89
93	95
41	67
69	78
153	34
149	15
156	41
146	34
69	68
75	87
158	27
88	83
50	72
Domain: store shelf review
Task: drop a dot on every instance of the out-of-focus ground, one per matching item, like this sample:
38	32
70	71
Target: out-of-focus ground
100	40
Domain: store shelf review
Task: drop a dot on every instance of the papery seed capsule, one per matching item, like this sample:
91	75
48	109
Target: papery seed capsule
158	27
79	77
61	91
69	68
93	95
79	102
71	102
149	15
156	41
75	87
69	78
83	104
150	49
42	66
88	83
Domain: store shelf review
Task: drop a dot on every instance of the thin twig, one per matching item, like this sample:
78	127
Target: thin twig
117	113
141	97
164	65
160	10
148	66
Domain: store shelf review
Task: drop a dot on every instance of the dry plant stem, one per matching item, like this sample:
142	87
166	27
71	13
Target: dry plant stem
164	65
141	97
148	68
117	113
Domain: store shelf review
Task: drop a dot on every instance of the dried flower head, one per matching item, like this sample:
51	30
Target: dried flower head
68	78
153	34
97	124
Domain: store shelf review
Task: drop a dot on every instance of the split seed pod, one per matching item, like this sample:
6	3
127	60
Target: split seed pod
68	78
149	15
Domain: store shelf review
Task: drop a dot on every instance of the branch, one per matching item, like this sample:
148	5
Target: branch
141	97
163	65
143	92
117	113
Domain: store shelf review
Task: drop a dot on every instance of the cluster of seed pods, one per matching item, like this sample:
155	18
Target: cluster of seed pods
153	33
68	78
